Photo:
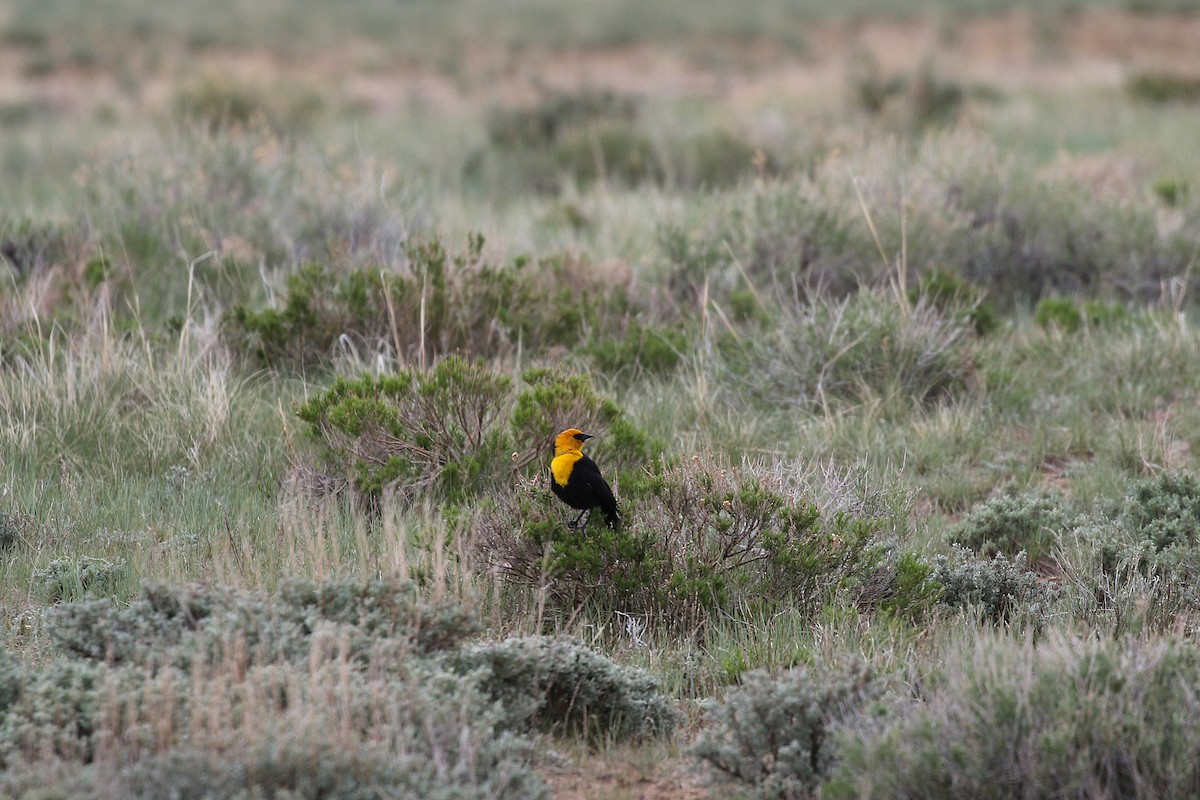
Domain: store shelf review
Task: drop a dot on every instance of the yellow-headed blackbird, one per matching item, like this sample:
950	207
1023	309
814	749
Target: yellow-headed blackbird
577	481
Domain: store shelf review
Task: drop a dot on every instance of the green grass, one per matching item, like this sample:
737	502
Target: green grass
878	331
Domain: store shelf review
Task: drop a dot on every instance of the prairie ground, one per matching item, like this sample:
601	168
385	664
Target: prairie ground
882	315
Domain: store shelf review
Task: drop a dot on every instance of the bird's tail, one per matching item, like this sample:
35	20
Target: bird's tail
612	518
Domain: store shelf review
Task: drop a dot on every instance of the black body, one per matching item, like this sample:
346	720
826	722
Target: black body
586	489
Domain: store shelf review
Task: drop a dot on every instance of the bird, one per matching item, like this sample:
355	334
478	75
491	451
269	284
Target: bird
577	481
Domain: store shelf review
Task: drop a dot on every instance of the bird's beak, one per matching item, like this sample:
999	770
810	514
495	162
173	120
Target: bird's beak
583	437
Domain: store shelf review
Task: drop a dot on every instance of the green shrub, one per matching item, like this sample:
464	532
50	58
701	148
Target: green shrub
1122	583
997	590
1165	510
434	736
413	432
317	728
869	87
1058	312
71	579
699	541
902	586
1101	315
562	687
53	714
718	159
1162	87
642	349
442	303
1077	718
197	624
952	294
773	735
923	99
553	400
459	429
1010	524
1172	191
613	152
582	136
1068	315
320	307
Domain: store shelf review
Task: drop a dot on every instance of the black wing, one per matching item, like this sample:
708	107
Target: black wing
601	494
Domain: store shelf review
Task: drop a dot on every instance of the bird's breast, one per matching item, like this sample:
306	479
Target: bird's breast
562	465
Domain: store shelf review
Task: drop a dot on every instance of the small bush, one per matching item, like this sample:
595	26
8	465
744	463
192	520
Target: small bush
613	152
902	586
923	99
933	99
1121	582
698	542
53	713
545	122
998	590
774	733
1068	315
317	728
952	294
642	349
553	400
413	432
1010	524
71	579
1100	315
459	429
1172	191
869	87
219	101
1077	718
562	687
1165	510
197	624
590	136
1060	313
441	302
1161	87
433	736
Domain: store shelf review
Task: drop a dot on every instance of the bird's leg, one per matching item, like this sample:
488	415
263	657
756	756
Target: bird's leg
578	520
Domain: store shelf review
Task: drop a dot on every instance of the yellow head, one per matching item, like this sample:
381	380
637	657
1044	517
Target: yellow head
570	441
